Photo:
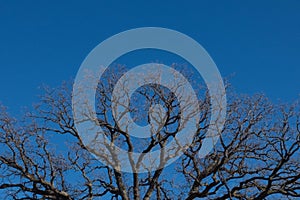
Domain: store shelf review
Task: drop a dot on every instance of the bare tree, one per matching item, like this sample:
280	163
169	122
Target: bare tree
42	156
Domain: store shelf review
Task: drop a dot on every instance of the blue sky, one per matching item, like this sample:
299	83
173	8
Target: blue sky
44	42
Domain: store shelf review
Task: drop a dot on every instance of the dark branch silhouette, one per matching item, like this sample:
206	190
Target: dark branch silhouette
257	156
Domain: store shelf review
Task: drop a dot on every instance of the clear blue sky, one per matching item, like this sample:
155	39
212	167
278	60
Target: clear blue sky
46	41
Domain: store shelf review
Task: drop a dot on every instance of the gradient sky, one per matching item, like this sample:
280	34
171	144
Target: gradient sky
44	42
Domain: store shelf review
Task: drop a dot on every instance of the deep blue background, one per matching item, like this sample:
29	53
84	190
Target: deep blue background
46	41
